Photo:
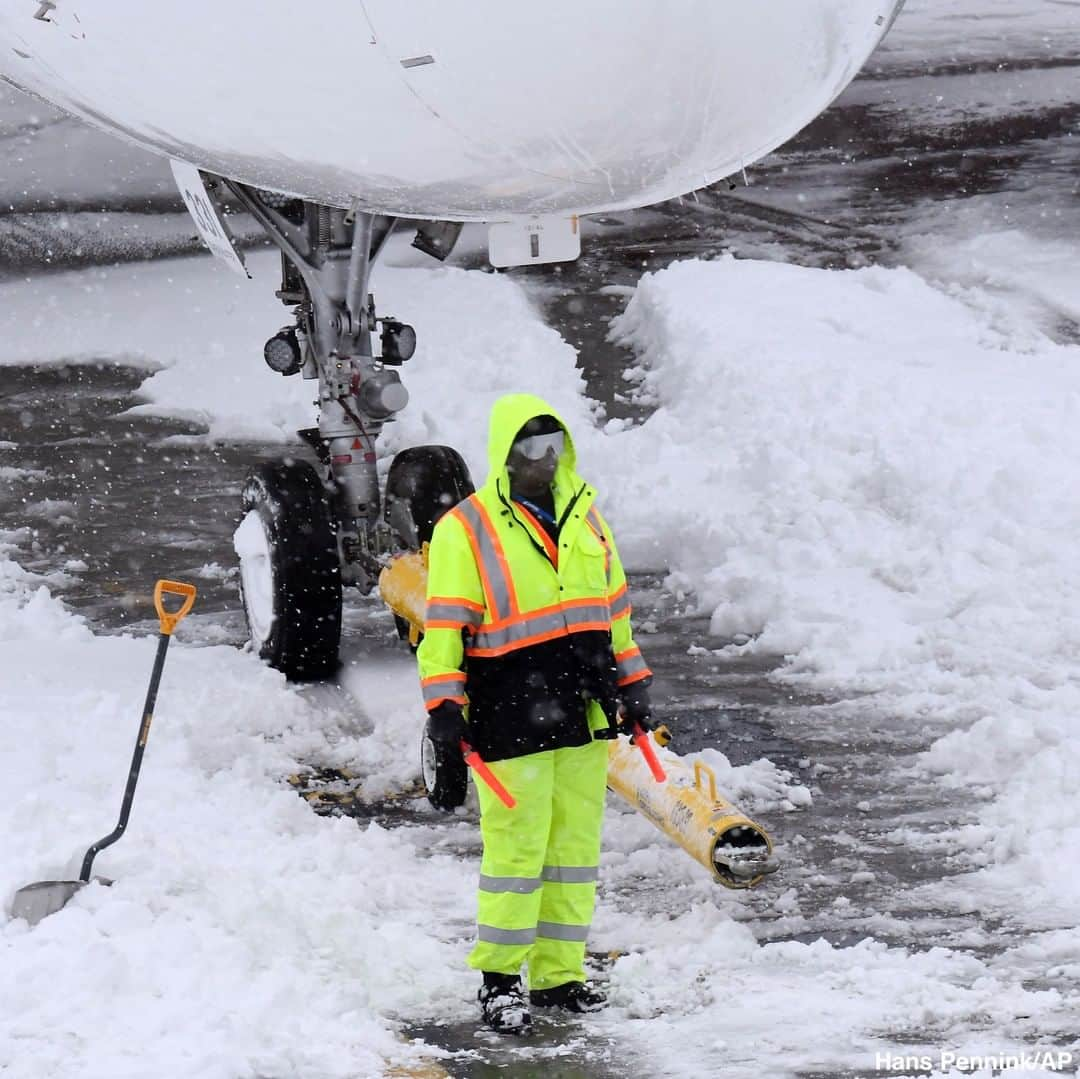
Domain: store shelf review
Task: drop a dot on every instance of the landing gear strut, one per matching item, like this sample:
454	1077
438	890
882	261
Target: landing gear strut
297	523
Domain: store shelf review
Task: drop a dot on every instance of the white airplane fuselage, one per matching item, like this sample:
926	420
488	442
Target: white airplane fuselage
449	109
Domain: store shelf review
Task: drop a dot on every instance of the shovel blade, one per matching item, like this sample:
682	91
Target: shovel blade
37	901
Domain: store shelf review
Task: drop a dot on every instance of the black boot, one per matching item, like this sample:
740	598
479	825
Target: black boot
502	1004
570	996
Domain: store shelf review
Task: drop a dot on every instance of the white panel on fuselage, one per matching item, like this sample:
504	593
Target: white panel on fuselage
459	109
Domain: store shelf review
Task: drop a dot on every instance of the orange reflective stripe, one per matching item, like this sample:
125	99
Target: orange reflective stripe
457	601
474	544
437	688
436	679
500	555
506	628
540	626
487	553
526	642
452	614
541	534
514	646
433	704
567	605
592	518
620	604
443	687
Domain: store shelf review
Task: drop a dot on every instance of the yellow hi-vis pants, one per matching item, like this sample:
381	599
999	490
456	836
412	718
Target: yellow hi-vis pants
540	864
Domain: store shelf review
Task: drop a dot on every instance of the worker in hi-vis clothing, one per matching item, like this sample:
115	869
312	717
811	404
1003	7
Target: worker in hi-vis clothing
528	656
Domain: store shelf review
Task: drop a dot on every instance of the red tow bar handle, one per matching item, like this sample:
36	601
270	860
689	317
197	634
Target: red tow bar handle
641	739
476	763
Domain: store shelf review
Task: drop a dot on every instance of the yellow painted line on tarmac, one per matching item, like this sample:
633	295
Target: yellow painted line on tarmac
419	1071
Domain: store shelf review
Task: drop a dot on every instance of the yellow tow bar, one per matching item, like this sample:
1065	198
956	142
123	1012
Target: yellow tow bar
689	809
737	851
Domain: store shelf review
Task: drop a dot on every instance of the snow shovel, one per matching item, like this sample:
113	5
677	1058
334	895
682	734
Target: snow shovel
37	901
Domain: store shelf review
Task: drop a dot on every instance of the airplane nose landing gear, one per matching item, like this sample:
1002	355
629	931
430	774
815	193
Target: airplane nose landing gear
302	537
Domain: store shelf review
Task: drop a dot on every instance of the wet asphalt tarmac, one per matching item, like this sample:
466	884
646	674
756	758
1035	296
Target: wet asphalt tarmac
119	501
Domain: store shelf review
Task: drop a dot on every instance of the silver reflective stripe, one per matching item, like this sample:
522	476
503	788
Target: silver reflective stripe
489	934
498	601
554	931
527	627
581	615
629	665
620	607
571	874
521	885
450	687
452	612
566	619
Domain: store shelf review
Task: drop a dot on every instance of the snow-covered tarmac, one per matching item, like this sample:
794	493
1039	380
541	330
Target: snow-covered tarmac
855	469
867	476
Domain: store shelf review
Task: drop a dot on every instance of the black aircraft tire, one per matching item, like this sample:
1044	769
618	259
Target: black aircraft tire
289	570
422	484
445	774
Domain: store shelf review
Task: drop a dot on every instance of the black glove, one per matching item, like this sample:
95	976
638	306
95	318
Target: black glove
636	707
446	724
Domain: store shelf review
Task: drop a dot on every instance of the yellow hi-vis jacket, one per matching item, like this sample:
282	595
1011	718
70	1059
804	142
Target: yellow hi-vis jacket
532	634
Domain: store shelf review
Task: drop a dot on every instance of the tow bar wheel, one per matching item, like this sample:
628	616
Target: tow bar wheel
290	578
446	776
423	483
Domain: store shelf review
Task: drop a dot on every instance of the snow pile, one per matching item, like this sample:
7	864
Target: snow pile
760	787
199	327
1039	273
794	1008
867	473
871	475
200	330
876	478
243	935
479	338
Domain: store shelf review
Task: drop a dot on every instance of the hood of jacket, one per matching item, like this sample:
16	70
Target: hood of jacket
508	415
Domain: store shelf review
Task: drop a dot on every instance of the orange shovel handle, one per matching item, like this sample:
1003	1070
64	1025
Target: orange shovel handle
641	739
476	763
170	619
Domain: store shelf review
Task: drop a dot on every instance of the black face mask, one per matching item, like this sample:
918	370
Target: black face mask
531	479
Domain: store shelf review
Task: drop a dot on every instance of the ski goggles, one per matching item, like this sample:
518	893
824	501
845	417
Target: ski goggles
536	447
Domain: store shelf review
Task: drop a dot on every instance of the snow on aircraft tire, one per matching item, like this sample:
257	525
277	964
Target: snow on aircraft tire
290	577
445	774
